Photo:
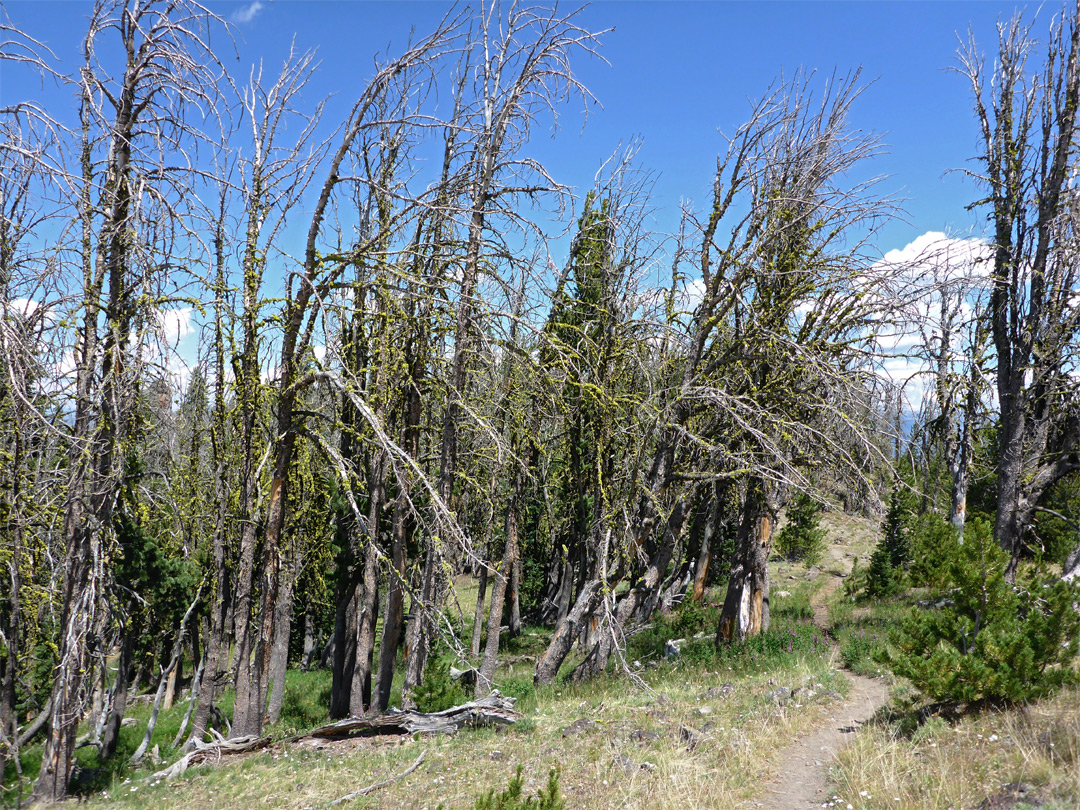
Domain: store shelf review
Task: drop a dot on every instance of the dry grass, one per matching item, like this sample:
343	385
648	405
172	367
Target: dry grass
635	756
939	765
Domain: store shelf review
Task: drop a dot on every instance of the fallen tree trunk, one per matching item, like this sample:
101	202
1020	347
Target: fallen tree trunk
205	752
491	710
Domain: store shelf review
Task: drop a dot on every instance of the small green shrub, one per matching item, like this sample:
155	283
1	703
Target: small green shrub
786	642
692	617
932	538
802	539
892	555
855	582
994	642
511	799
685	620
883	578
859	649
517	688
438	691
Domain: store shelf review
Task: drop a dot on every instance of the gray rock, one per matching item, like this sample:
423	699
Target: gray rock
673	647
579	727
690	737
722	691
779	696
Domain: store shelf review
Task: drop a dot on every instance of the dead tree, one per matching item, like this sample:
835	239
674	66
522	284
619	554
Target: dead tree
519	67
1028	127
130	124
306	289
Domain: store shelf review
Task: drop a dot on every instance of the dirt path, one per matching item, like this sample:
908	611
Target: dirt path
802	769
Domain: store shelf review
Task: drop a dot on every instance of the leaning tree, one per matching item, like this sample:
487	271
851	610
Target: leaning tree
1028	126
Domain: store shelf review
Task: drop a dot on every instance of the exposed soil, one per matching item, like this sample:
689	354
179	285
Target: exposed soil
801	779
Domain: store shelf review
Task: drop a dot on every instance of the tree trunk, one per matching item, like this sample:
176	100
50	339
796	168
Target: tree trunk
1008	523
166	675
344	640
712	529
173	684
498	594
118	703
311	645
360	695
746	606
402	531
69	679
567	632
515	598
395	603
416	636
478	613
279	657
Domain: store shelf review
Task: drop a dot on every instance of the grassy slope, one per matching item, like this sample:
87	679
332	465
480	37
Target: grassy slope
637	754
682	742
908	760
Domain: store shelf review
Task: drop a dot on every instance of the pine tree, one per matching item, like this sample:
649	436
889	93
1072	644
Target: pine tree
991	642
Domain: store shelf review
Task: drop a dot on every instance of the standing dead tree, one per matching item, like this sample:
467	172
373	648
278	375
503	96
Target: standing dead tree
132	132
516	69
27	438
273	179
1028	126
306	289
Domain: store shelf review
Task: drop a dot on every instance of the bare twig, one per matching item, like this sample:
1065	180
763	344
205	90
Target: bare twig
372	788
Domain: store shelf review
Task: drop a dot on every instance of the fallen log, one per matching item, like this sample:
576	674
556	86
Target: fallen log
491	710
204	752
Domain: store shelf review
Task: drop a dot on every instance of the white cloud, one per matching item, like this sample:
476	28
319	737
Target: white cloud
928	265
31	311
935	256
246	14
176	324
23	306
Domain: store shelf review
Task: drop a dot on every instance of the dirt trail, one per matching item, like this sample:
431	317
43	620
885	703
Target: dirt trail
802	768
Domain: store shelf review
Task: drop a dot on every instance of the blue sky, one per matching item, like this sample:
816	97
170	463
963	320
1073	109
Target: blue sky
678	72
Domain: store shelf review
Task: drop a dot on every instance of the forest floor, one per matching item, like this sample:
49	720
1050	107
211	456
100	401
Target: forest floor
778	722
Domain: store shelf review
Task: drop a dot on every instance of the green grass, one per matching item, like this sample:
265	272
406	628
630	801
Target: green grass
861	628
602	767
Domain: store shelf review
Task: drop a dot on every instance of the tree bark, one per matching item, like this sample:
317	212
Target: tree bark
478	613
395	604
567	632
498	592
746	605
279	657
118	703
